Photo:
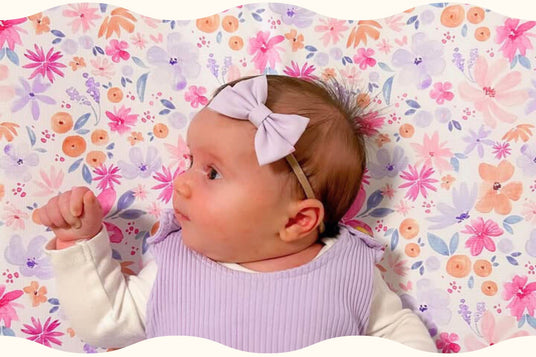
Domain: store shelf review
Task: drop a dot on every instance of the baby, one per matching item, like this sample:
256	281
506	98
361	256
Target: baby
252	255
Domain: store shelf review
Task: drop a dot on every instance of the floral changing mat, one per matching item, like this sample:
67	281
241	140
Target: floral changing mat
97	95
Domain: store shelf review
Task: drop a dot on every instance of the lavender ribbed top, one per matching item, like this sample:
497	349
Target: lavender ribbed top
261	312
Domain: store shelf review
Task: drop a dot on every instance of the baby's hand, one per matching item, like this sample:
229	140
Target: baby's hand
72	215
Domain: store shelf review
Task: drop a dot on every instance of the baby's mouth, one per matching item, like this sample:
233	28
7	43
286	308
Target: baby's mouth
181	216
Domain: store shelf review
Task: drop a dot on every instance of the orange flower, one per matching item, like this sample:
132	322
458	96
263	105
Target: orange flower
115	94
61	122
406	130
328	73
208	24
74	146
95	158
100	137
160	130
412	250
459	266
452	16
409	228
364	29
37	294
295	39
489	288
135	137
447	181
7	130
482	268
382	139
230	23
236	43
77	62
125	269
482	33
40	23
522	131
120	18
476	15
2	191
495	195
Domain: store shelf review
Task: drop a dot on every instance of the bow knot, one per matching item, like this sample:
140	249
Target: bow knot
276	133
258	114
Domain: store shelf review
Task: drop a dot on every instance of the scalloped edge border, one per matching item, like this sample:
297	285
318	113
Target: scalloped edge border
360	10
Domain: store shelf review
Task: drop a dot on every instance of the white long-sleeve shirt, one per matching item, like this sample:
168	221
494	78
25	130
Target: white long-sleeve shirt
107	308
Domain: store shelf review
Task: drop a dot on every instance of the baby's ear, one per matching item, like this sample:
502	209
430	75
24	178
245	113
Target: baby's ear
305	217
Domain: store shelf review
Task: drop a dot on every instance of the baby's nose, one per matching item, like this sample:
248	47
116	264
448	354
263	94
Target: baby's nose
182	187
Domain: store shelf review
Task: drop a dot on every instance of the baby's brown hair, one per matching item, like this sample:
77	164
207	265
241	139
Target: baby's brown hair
331	151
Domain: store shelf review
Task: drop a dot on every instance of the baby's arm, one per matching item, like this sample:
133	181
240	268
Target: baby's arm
105	308
388	319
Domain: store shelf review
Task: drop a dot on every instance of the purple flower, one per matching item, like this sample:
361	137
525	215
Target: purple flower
17	161
31	261
477	140
293	15
31	94
387	165
430	304
140	166
176	65
527	161
463	201
419	65
531	106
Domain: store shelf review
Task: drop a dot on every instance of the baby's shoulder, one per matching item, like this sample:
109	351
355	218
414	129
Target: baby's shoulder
167	224
362	238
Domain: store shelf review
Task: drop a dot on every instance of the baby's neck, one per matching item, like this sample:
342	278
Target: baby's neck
285	262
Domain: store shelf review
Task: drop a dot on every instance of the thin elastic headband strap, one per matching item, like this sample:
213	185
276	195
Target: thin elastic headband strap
304	182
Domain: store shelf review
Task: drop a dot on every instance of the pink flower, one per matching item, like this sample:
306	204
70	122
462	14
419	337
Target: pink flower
501	150
7	306
116	49
418	181
9	32
195	96
180	153
82	15
121	120
14	217
370	123
514	37
433	153
106	176
265	49
492	91
332	29
305	72
481	233
440	92
446	343
45	65
43	334
522	296
492	332
167	183
51	183
364	58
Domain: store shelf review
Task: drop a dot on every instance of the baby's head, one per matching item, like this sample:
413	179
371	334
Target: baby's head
240	209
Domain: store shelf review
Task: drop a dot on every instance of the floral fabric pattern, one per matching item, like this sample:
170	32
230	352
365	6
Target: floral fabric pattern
97	95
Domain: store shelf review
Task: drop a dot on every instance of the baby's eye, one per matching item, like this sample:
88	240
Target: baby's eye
212	174
189	160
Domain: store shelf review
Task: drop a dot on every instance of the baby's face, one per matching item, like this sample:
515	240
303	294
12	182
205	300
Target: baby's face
230	208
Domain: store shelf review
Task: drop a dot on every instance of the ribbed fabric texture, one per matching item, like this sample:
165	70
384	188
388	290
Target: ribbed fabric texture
261	312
